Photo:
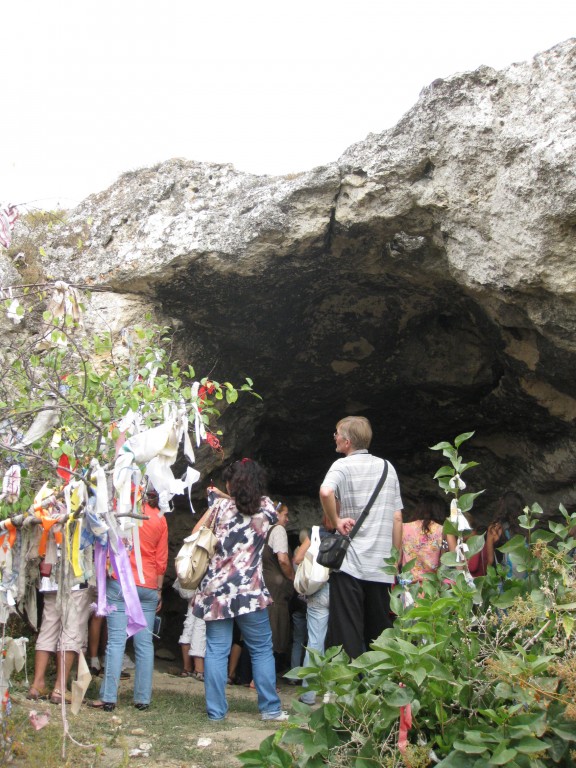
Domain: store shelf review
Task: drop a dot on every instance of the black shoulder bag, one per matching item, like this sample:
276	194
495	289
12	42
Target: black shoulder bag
334	546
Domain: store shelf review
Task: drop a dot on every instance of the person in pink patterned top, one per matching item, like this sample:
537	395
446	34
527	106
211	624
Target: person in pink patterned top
422	539
233	589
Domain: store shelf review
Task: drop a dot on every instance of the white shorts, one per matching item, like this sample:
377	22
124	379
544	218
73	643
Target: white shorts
194	634
65	629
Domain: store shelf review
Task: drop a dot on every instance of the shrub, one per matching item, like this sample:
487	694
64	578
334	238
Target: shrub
474	674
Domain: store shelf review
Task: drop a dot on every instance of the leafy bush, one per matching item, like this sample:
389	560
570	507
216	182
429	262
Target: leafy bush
78	386
474	674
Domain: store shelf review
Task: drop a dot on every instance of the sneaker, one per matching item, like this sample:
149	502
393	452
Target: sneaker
302	699
278	717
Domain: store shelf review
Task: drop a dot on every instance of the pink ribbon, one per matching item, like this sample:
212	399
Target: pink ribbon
405	725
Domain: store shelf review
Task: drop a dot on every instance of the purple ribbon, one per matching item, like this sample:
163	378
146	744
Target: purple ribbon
103	609
121	566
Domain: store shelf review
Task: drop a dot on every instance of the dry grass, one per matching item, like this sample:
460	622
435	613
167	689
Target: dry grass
173	725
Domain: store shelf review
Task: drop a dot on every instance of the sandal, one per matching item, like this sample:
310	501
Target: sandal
37	693
56	697
198	676
106	706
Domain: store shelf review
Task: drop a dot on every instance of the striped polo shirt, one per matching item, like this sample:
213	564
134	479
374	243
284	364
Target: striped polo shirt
353	479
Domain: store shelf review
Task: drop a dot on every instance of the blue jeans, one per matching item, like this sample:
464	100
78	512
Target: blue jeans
257	635
116	645
298	638
317	618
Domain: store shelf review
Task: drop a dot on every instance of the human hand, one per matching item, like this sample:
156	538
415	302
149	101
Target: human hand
217	492
494	532
345	525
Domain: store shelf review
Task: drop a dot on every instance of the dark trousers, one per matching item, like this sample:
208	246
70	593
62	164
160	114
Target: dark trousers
359	612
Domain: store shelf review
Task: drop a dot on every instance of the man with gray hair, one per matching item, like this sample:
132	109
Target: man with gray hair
360	590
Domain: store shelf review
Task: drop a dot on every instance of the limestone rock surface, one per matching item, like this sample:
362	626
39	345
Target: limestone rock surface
425	279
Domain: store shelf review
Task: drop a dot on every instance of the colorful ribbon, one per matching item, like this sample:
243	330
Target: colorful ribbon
405	725
121	566
10	530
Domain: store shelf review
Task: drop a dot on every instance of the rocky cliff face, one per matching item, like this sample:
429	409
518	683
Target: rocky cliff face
426	279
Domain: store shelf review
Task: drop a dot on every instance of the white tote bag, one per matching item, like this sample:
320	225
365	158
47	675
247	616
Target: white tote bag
310	575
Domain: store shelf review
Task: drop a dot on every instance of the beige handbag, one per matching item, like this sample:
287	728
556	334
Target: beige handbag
194	556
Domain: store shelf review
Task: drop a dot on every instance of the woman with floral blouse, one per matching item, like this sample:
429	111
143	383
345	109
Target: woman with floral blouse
234	590
422	539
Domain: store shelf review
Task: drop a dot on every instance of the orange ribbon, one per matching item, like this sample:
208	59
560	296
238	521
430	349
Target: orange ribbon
47	523
11	531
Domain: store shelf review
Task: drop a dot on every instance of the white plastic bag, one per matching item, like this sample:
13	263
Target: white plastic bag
310	575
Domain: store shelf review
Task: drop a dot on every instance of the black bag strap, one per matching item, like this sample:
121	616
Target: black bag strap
368	506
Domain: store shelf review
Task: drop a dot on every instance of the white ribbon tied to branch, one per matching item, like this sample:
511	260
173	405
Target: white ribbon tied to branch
157	448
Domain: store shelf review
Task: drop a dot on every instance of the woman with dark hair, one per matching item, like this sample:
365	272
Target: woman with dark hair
503	527
234	590
422	539
509	507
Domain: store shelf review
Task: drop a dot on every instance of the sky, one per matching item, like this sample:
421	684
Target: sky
93	89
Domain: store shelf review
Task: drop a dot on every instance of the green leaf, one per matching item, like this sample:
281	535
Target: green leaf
559	529
398	697
445	472
567	732
475	544
466	501
469	465
462	438
541	535
470	749
529	744
458	760
418	675
506	599
567	624
503	757
440	446
517	542
450	528
449	559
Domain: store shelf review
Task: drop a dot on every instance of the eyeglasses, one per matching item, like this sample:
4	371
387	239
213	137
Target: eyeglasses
337	434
